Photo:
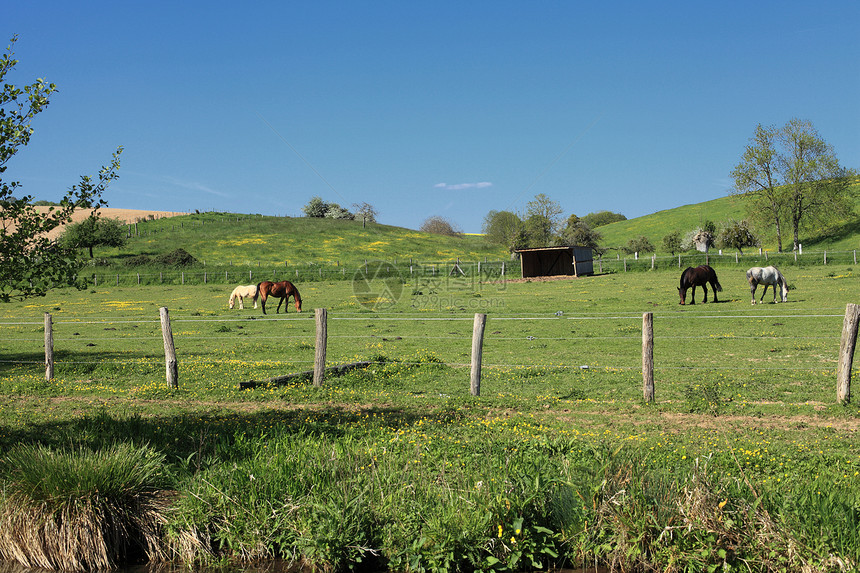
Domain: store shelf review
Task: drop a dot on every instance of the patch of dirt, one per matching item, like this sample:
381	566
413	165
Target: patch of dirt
124	215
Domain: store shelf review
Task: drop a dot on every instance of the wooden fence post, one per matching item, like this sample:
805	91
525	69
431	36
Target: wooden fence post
49	348
846	353
477	351
322	337
648	356
169	350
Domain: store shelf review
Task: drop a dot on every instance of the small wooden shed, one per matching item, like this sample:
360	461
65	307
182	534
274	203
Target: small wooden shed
556	261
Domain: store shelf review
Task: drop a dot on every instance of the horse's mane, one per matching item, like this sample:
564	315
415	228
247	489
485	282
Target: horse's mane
781	278
685	277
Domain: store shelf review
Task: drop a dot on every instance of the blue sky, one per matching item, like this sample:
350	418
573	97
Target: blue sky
433	108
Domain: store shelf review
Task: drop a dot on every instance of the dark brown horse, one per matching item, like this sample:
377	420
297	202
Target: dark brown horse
700	276
282	290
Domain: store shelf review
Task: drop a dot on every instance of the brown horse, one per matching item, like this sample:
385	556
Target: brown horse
282	290
700	276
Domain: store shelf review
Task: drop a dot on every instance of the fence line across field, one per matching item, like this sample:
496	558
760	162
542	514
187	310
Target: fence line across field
482	270
844	369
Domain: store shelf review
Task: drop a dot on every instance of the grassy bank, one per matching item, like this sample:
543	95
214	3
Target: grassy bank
744	460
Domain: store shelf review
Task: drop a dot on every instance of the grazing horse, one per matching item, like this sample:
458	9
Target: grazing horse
282	290
700	276
243	292
769	277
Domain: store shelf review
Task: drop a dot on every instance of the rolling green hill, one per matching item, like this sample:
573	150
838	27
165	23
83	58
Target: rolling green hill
842	235
254	240
249	240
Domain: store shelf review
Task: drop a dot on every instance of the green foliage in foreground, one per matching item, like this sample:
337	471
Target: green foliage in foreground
744	461
462	488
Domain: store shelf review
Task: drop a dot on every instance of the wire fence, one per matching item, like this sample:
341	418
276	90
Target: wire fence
557	343
250	272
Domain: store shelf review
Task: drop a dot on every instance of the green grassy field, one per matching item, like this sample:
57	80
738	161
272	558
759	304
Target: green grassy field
744	460
745	418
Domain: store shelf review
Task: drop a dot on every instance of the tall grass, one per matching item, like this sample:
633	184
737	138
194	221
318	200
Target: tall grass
82	509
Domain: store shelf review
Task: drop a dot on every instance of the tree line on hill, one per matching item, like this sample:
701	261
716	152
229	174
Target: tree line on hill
318	208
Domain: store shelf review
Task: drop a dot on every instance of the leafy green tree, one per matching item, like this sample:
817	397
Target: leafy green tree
815	183
640	244
579	233
791	175
543	220
603	218
737	235
502	228
672	242
30	262
757	177
316	207
95	232
335	211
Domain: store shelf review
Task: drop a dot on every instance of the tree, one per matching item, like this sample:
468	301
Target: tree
95	232
603	218
580	234
640	244
543	219
365	212
335	211
816	184
737	235
502	228
757	178
439	226
672	242
31	263
791	175
316	207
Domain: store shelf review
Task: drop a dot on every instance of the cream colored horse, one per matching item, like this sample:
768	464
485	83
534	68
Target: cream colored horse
243	292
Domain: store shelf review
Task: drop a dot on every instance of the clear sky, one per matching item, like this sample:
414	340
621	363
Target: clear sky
425	108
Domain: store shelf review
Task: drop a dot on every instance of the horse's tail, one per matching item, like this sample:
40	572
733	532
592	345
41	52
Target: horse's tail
257	292
716	284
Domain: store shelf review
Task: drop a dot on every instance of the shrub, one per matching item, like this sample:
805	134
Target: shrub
439	226
316	207
137	261
177	258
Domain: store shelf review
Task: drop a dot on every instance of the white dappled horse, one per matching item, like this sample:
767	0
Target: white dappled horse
242	292
768	277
